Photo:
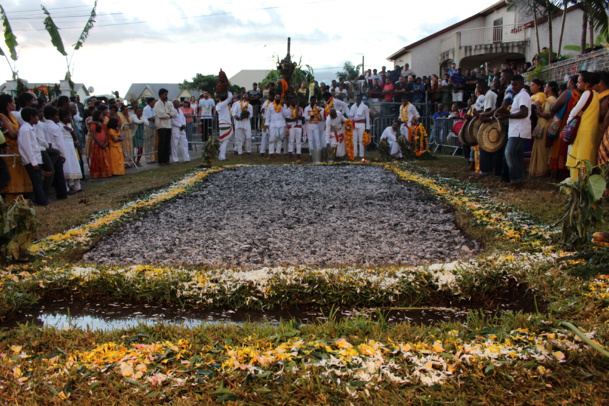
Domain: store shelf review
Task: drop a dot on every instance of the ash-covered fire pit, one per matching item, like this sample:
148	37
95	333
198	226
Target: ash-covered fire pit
297	215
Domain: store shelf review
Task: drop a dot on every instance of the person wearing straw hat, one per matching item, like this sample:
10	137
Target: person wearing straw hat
518	133
485	104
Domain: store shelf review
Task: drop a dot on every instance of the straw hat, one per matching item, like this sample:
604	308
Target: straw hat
491	136
462	131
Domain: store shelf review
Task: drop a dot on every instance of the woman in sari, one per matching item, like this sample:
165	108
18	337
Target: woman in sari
561	109
126	130
603	89
19	182
540	155
100	152
585	146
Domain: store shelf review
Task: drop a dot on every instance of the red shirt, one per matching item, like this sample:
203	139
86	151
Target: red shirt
188	113
388	92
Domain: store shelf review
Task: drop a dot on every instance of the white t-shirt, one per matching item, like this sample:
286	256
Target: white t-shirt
206	107
520	127
490	100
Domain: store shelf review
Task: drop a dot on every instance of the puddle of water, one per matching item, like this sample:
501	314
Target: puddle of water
111	316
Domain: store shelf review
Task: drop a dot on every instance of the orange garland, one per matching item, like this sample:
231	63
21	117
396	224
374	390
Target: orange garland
366	138
329	105
315	116
419	137
284	88
349	139
277	107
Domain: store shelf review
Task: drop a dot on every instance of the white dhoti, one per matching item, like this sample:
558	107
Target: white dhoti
337	140
264	139
226	130
358	139
276	137
395	149
295	137
404	130
243	137
179	143
314	137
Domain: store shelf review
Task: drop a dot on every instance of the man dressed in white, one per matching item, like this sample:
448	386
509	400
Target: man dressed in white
391	135
313	115
360	114
179	142
294	128
408	112
335	133
243	126
264	140
275	123
225	124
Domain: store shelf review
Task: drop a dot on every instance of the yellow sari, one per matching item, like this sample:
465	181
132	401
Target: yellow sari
540	154
20	182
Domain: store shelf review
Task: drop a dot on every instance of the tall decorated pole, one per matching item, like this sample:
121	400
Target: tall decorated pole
211	148
286	67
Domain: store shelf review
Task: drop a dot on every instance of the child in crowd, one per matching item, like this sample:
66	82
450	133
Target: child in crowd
117	159
71	166
138	137
31	156
100	153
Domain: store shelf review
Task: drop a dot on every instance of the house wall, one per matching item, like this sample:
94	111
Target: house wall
424	58
571	36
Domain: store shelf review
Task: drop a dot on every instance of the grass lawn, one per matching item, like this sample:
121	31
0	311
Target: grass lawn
492	357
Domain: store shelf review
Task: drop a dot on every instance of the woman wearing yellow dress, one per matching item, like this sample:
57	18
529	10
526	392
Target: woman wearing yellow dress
20	182
117	160
603	89
126	130
540	155
585	146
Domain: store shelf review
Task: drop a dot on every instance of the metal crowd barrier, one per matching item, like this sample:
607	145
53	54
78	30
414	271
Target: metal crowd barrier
139	134
442	135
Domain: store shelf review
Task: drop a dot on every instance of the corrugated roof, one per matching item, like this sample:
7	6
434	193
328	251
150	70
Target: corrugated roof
173	88
246	77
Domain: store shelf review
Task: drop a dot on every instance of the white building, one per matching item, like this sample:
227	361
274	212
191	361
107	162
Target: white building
492	37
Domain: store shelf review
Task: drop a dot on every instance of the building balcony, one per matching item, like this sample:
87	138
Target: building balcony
501	39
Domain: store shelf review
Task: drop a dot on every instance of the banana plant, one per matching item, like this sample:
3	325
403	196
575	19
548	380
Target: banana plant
11	42
57	41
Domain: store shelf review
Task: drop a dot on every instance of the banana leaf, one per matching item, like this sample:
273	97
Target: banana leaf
53	31
85	31
9	37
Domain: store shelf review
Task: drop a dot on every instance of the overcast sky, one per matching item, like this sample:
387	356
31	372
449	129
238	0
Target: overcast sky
169	41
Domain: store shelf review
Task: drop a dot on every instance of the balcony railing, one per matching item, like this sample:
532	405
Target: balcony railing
483	36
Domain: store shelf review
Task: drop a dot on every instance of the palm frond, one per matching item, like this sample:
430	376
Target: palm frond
88	26
9	36
53	31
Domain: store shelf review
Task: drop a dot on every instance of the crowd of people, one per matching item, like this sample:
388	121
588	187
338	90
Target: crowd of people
48	144
540	119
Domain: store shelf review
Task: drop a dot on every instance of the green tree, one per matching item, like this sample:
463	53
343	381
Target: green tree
349	72
56	40
595	17
206	83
